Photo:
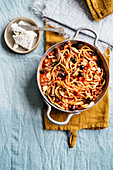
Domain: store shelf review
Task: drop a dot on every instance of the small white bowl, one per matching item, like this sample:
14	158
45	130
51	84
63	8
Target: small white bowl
10	41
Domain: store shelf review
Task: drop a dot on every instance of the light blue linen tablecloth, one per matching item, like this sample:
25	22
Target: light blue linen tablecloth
24	144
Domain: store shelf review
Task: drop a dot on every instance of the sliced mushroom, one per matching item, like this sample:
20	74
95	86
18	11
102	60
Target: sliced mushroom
74	50
58	54
53	91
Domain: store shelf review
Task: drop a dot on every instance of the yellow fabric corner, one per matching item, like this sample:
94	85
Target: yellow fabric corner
96	117
100	8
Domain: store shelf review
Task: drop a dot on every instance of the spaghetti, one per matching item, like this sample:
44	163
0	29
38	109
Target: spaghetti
72	76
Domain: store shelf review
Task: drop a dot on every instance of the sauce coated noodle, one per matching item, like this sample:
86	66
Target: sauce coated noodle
72	76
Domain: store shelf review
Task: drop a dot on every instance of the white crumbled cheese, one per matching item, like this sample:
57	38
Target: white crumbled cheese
16	29
21	23
94	69
99	69
15	46
91	104
22	37
44	88
24	40
48	75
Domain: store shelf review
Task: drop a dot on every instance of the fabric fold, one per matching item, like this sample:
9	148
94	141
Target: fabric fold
73	138
100	8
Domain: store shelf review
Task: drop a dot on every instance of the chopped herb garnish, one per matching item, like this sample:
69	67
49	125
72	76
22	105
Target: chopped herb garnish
76	83
73	60
88	100
63	89
42	71
53	64
46	93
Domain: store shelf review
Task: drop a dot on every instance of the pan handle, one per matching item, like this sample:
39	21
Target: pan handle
87	29
56	122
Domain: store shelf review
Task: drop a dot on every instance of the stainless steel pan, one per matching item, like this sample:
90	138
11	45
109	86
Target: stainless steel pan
105	65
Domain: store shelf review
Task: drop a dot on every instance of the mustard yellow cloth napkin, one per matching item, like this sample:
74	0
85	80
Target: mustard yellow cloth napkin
96	117
100	8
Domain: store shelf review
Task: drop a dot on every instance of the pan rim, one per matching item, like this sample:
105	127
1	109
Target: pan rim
99	54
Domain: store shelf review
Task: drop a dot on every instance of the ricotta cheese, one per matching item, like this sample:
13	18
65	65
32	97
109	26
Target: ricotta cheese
22	37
